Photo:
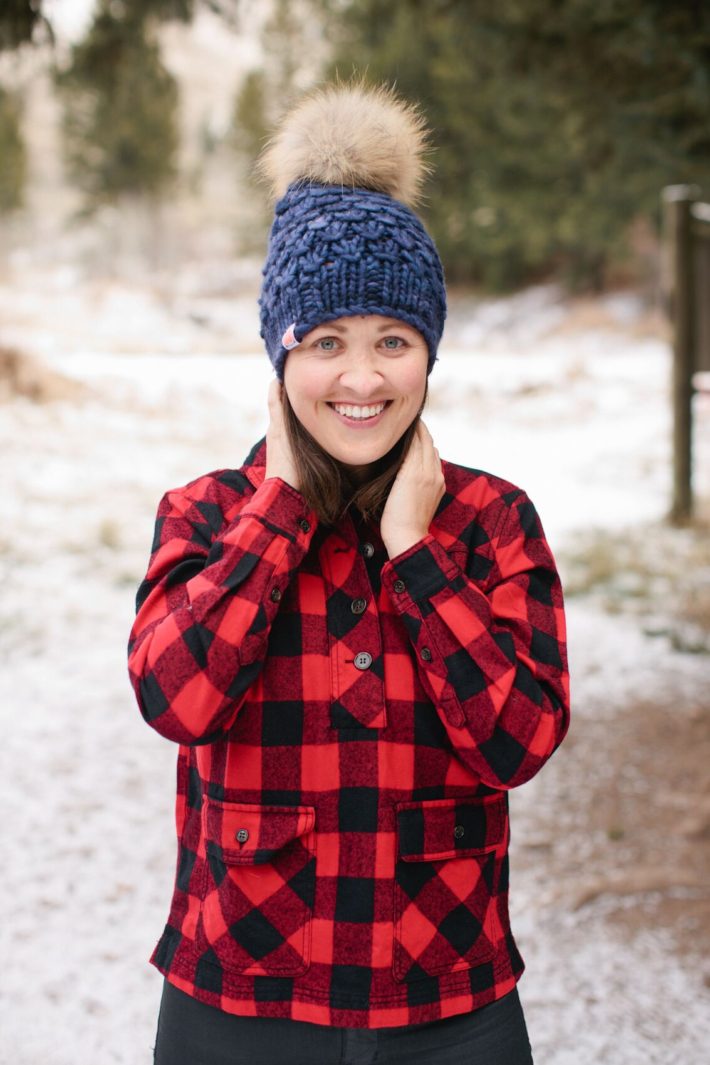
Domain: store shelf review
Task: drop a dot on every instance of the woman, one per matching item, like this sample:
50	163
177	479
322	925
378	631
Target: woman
359	648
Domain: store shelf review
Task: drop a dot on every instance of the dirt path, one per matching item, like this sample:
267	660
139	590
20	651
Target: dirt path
611	855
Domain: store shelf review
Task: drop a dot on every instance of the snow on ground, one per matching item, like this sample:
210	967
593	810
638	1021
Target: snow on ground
577	416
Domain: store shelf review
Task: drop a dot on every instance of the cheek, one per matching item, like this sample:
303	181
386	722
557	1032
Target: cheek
413	385
302	387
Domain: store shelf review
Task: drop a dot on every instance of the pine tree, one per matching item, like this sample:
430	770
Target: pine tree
13	162
293	55
249	122
556	124
18	21
120	110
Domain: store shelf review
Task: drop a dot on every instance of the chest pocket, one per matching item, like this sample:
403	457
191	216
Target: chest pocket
448	865
258	888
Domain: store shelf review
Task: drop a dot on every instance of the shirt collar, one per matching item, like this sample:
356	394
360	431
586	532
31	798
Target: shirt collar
254	466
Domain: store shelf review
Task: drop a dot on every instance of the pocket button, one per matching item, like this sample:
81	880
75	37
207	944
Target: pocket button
242	835
459	831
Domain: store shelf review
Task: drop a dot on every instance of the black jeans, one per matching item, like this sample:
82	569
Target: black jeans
191	1033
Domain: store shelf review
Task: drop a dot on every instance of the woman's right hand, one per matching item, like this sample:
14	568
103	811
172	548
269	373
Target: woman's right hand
279	457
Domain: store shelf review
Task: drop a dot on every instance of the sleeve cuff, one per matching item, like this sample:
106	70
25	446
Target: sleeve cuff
420	572
281	507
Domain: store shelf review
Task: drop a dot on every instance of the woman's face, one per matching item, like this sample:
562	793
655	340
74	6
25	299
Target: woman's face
356	384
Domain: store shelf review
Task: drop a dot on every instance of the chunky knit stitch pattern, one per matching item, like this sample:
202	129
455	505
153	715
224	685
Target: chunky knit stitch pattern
336	252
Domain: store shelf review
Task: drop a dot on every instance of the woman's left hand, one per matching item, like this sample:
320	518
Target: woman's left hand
415	494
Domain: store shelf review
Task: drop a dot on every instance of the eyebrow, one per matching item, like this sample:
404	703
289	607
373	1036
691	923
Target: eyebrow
333	326
393	323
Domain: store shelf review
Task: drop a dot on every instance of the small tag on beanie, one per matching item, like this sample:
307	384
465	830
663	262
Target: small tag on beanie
288	340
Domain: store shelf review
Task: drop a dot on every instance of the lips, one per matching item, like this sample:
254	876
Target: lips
351	410
360	415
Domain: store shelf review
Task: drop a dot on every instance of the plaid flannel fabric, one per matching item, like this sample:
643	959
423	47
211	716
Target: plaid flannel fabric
349	726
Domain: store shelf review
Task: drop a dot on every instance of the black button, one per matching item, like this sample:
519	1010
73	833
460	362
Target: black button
363	660
358	606
399	586
459	831
242	835
425	654
368	550
275	595
304	525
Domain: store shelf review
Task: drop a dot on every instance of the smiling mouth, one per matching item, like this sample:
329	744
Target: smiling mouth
360	412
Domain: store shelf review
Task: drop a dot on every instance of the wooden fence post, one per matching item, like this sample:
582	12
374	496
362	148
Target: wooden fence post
677	202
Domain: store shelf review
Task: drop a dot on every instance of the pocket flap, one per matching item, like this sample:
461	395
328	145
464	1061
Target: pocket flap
450	828
242	833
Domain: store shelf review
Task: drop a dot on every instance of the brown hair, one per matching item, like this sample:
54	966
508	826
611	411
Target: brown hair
327	484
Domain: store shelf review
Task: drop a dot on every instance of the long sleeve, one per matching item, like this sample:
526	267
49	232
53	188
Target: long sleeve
494	661
206	605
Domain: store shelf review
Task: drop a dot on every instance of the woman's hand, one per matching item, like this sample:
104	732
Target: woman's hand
279	457
415	494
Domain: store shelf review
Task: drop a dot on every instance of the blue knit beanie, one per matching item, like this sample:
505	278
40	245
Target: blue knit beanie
344	240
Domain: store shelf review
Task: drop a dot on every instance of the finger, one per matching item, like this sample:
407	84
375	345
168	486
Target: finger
427	439
275	399
427	443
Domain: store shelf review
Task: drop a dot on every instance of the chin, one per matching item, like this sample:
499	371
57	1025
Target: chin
353	457
378	458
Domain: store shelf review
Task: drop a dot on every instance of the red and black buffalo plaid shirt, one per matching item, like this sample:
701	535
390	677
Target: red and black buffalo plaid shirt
349	726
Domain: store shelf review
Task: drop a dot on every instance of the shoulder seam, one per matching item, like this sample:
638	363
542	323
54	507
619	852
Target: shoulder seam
506	513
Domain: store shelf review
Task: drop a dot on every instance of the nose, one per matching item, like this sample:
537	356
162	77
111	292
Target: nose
362	374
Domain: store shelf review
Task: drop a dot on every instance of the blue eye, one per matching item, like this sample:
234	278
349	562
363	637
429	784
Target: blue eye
326	343
393	343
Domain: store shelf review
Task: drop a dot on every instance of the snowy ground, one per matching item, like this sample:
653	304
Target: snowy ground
570	401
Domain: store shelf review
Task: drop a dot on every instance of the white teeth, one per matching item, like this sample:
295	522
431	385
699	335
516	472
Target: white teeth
359	412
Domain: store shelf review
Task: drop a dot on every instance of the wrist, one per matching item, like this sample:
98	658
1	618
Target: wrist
397	545
291	481
286	473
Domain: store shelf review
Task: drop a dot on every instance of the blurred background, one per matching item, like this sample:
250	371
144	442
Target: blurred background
132	234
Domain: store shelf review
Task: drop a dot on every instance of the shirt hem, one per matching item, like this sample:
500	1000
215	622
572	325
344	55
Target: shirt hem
455	996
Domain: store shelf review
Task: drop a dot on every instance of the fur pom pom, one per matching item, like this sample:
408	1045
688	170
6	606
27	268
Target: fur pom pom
350	135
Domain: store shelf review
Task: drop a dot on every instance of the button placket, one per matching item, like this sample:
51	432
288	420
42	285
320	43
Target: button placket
355	635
